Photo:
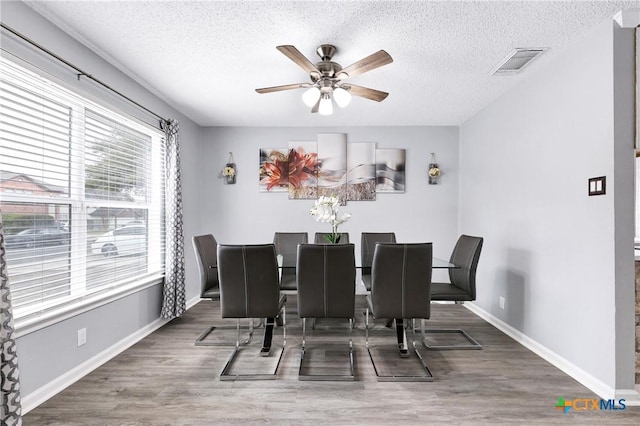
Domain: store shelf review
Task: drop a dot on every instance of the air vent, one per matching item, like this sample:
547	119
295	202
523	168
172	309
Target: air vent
517	60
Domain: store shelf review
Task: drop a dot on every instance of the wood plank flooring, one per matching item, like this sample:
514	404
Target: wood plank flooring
166	380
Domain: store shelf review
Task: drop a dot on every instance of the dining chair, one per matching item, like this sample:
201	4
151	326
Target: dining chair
249	289
368	242
286	244
206	248
401	279
326	289
320	238
460	288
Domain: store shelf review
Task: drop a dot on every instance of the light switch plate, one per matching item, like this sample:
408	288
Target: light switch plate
598	185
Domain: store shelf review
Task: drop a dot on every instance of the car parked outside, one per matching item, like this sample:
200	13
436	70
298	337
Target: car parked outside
37	237
128	239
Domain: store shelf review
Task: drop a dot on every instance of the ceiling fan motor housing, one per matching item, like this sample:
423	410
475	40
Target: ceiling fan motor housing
327	68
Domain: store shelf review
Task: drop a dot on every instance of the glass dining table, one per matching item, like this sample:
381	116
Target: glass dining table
401	329
437	263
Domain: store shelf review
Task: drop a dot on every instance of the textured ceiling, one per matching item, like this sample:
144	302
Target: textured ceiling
206	58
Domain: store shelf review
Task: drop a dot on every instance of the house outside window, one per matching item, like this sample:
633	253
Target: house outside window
73	173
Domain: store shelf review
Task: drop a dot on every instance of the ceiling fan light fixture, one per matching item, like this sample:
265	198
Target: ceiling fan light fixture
326	106
310	97
342	97
326	78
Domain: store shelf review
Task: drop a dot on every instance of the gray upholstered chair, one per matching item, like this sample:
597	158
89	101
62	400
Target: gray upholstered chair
286	244
401	279
249	289
320	238
368	242
326	289
205	247
460	289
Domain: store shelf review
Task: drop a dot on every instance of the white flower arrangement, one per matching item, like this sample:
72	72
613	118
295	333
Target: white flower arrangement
326	209
434	172
228	171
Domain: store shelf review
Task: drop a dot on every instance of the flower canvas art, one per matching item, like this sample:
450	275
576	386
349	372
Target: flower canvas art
331	167
274	170
303	170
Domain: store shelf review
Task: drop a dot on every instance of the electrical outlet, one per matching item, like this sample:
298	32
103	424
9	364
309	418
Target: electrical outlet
502	300
82	336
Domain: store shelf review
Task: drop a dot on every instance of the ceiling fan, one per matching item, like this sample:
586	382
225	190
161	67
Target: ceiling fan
327	78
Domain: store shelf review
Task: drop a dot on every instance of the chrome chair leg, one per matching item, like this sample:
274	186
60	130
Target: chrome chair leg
283	315
427	377
415	348
332	377
471	344
200	341
225	373
366	328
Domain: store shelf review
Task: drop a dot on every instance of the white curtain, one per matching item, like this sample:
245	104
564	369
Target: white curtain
11	407
174	303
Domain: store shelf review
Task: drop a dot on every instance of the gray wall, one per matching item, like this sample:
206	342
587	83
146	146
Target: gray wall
518	177
51	352
240	214
562	259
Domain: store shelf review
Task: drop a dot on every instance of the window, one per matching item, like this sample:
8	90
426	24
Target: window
81	196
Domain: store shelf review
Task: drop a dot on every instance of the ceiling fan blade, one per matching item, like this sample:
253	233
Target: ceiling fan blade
281	88
369	63
294	54
365	92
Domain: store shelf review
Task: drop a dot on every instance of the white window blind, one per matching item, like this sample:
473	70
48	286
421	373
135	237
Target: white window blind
81	195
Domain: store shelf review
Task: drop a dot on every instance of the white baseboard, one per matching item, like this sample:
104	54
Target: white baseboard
39	396
192	302
604	391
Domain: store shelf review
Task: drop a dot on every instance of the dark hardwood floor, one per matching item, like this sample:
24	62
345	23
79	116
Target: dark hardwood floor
166	380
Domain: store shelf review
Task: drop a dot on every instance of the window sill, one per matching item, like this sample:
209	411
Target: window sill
32	323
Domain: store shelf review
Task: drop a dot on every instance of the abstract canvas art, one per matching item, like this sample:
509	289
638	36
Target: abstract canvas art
303	170
361	171
390	170
274	170
332	165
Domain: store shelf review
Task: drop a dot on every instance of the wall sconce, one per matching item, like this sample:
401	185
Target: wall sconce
434	171
229	171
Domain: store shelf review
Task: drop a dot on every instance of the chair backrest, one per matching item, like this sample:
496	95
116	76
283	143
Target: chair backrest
206	248
326	280
465	255
249	284
368	242
320	238
401	280
287	245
